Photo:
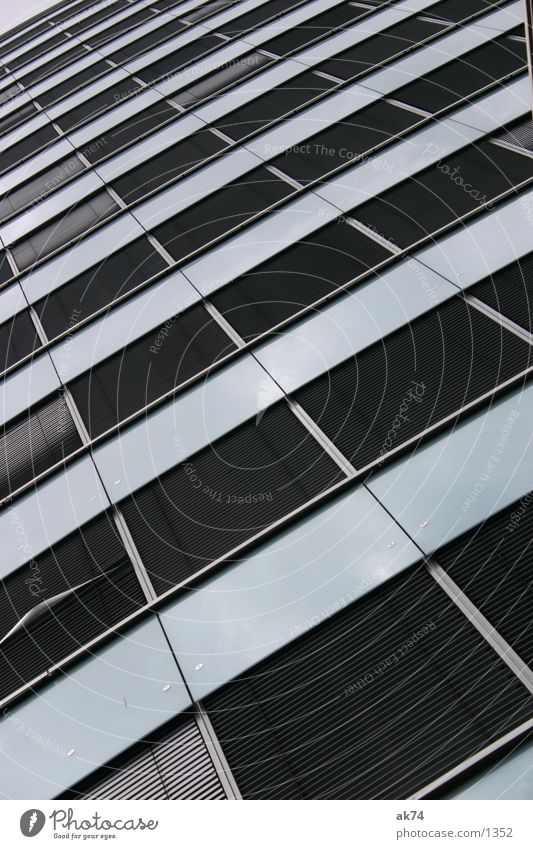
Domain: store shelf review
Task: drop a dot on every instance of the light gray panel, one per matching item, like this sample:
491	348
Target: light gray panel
485	245
192	189
13	104
123	325
288	585
258	242
82	720
65	74
26	386
19	73
499	108
26	129
183	426
351	323
59	505
80	257
404	158
462	477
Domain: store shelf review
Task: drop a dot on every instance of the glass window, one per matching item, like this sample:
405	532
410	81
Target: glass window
314	28
178	58
27	146
239	69
222	496
148	368
120	693
145	42
273	104
462	477
324	562
98	286
18	337
113	31
54	235
97	103
37	188
233	204
73	82
508	291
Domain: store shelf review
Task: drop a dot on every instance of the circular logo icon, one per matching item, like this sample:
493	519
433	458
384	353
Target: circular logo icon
32	822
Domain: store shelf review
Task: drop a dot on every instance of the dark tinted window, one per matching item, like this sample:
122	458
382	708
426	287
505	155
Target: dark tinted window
458	10
222	211
77	26
257	16
273	104
217	81
249	478
443	193
296	277
93	565
345	141
120	28
206	10
18	338
167	165
178	58
54	65
315	719
148	368
100	102
510	292
35	441
36	189
84	77
411	379
73	223
464	76
99	286
27	146
151	39
313	29
39	50
5	268
16	117
129	131
379	48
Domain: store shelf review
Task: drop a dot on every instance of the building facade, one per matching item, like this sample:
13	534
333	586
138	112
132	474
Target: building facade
265	335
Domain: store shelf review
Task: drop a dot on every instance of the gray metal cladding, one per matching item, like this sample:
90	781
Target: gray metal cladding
363	57
384	697
99	286
510	292
63	598
463	77
174	765
146	369
35	441
225	494
74	222
345	141
444	192
18	338
164	167
273	104
222	211
493	566
411	379
296	277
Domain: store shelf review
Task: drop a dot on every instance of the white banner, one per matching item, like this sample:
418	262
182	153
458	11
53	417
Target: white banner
272	825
